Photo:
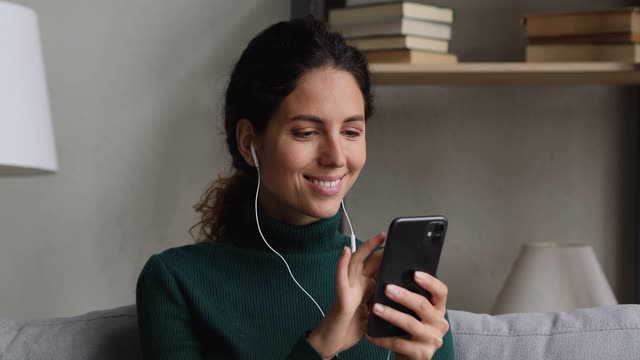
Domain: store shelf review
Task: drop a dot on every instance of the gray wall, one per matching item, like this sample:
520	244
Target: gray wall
506	164
136	91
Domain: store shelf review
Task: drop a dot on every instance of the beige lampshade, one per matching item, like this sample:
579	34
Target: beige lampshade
26	133
551	277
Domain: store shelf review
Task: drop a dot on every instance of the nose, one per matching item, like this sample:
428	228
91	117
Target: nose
332	151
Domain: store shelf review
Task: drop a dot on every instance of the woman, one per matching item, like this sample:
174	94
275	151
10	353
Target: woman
300	97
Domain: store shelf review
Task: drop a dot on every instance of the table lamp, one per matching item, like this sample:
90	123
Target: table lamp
27	145
551	277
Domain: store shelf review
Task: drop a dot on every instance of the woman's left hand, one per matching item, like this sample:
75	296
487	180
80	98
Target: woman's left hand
425	333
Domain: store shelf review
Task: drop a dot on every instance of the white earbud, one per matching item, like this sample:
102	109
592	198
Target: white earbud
255	158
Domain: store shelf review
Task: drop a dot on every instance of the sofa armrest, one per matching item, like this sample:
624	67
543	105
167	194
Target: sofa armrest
8	331
97	335
607	332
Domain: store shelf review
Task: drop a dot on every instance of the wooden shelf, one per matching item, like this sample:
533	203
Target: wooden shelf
508	73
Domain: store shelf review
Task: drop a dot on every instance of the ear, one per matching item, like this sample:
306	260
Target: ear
245	135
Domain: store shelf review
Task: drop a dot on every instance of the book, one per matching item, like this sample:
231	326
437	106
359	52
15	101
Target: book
410	57
351	3
366	14
587	39
611	21
584	52
400	42
399	26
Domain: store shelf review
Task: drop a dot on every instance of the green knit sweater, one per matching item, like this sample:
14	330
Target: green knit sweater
234	299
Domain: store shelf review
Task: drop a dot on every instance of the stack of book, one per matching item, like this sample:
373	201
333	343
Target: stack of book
406	32
606	35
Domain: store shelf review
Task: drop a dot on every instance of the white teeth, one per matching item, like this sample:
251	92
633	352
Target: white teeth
326	183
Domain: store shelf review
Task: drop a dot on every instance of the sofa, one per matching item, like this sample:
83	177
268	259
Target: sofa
608	332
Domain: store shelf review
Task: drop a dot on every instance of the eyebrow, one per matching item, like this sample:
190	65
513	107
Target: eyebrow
316	119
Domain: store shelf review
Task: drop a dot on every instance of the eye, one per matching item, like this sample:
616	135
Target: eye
304	134
352	133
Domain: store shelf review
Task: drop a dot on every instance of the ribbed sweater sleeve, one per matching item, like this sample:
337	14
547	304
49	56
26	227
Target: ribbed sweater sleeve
303	350
164	322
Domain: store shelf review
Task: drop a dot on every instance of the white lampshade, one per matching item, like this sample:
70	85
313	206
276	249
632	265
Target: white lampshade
550	277
26	134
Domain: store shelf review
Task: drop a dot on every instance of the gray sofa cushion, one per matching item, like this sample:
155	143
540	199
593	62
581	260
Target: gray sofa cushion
8	329
608	332
98	335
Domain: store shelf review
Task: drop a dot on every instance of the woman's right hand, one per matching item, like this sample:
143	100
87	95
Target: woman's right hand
346	321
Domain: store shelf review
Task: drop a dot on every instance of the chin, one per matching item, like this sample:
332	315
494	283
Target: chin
326	210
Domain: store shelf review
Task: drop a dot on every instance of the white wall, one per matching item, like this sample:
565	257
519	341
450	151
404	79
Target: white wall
136	89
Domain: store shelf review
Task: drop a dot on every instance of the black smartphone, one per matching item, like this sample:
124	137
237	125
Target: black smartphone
412	244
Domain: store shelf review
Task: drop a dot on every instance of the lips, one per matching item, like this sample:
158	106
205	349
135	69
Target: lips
325	178
331	186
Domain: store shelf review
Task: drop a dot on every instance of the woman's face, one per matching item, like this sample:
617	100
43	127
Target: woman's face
313	148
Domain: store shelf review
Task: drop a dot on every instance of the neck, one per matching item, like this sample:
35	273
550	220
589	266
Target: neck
283	212
285	237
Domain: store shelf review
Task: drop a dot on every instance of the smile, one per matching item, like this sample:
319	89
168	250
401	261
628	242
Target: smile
326	184
325	187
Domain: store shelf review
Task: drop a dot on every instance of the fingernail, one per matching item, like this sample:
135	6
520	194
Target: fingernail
421	276
393	290
344	250
378	308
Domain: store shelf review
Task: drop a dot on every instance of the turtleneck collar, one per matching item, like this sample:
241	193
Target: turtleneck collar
283	237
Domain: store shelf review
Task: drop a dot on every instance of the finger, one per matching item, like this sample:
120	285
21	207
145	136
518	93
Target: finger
363	251
395	343
408	347
404	321
368	247
416	302
342	271
438	290
372	265
433	318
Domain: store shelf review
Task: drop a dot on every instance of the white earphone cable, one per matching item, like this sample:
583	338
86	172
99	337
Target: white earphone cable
353	235
353	247
277	253
353	242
